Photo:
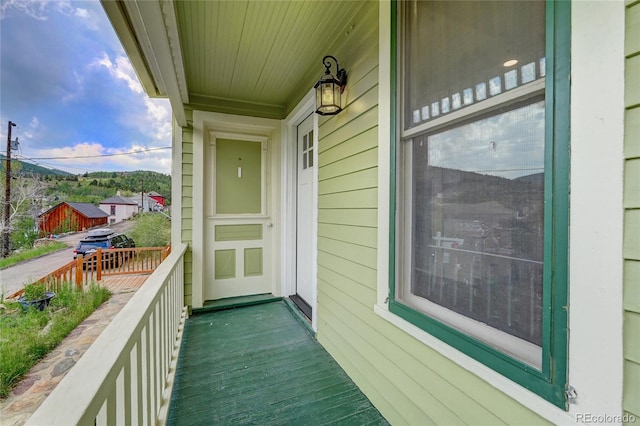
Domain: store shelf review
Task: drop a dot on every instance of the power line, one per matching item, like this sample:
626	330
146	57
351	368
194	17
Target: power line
55	166
142	151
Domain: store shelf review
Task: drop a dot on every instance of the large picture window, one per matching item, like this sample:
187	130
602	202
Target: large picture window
479	183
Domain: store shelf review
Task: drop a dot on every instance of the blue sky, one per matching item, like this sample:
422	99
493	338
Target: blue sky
68	85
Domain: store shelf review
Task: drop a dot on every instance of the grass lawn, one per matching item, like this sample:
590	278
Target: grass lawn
31	253
26	336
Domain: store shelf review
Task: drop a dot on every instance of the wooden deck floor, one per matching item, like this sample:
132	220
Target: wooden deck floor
123	283
259	365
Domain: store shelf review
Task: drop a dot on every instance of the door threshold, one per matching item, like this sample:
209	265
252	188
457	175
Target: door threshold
303	306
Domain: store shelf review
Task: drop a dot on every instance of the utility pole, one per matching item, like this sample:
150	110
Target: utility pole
7	195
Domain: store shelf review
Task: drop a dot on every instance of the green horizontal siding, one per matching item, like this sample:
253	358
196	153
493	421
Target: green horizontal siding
359	143
355	181
632	26
364	160
632	82
631	287
632	230
631	132
632	336
358	273
186	191
631	387
360	124
632	183
359	235
361	255
361	198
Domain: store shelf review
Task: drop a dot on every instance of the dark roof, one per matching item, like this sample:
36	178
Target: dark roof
88	210
118	200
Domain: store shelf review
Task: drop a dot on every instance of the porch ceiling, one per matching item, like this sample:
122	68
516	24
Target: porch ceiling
256	58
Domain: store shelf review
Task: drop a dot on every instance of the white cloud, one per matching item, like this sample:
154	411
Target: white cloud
33	8
121	69
89	18
159	116
81	149
37	9
103	158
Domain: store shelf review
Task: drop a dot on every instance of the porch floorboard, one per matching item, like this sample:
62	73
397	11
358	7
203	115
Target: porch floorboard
259	365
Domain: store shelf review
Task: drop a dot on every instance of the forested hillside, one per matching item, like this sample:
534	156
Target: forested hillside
58	185
96	186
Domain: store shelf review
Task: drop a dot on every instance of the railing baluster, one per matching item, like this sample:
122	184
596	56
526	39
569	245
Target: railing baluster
146	379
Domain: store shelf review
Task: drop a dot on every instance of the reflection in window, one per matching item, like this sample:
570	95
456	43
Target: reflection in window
528	73
468	96
510	79
481	91
435	109
495	86
445	105
478	205
416	116
425	112
472	42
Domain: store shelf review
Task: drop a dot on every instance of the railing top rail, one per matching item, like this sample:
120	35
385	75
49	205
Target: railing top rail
100	364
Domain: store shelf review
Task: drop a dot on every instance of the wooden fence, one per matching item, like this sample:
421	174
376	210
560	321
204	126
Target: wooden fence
82	271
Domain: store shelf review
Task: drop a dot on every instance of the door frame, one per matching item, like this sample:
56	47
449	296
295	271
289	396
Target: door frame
304	108
204	123
220	288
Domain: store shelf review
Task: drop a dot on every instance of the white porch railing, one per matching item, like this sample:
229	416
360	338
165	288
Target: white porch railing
126	376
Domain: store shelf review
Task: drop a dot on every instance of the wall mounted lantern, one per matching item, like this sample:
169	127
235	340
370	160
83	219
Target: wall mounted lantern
329	88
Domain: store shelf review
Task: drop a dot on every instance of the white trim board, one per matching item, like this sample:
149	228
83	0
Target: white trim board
289	125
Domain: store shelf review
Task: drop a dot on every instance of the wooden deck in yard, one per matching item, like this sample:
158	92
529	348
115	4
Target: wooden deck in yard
123	283
259	365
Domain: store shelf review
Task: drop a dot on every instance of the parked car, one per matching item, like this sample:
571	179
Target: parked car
104	239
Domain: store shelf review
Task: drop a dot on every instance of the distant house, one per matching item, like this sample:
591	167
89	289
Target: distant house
67	216
148	203
160	199
118	208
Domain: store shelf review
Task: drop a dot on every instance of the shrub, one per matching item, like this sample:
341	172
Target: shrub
151	230
34	291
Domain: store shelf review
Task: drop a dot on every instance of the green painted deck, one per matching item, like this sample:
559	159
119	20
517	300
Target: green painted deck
259	365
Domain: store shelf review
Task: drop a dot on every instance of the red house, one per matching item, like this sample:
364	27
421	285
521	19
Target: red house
67	216
158	198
